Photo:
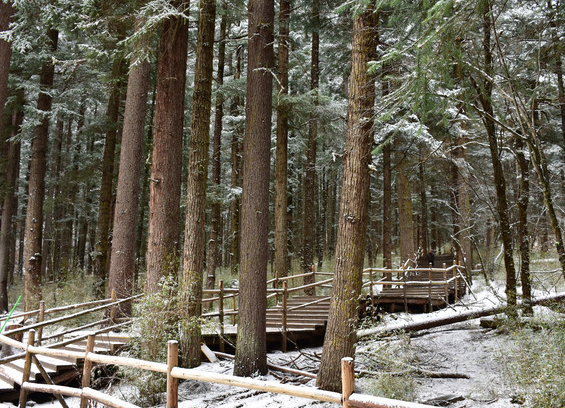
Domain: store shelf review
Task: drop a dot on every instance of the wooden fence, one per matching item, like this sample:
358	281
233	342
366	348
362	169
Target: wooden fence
348	399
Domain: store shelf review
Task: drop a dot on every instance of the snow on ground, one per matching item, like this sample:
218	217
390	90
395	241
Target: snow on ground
464	348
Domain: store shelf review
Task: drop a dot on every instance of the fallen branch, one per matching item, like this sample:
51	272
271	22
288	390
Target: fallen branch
273	367
415	370
460	317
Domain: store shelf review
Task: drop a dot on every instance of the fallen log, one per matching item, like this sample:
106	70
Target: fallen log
455	318
415	370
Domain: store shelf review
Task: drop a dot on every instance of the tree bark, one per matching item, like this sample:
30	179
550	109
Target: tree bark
122	260
340	336
194	232
216	216
235	173
523	234
281	180
9	209
251	349
166	166
106	184
6	17
36	189
484	94
387	208
309	219
406	224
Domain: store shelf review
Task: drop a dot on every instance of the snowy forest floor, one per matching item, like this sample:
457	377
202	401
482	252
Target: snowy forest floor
390	366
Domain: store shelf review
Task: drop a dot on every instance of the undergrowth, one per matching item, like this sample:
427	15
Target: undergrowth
533	362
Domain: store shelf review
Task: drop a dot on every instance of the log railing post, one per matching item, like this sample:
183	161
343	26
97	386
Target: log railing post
221	314
456	283
314	279
284	316
347	380
40	319
404	278
114	308
446	289
27	368
87	368
172	382
430	307
234	306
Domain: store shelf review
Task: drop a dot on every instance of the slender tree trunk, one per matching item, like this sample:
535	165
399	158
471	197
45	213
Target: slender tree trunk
309	220
216	221
424	203
51	215
36	194
406	224
9	209
122	260
462	202
387	208
235	172
6	17
523	234
106	185
166	166
197	177
485	98
330	212
281	180
340	336
251	350
557	47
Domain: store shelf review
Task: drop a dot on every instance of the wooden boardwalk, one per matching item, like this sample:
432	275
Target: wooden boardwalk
61	370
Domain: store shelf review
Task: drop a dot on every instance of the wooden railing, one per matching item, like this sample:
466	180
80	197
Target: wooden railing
348	398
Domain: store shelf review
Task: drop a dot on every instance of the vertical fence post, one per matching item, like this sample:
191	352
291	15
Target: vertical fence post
446	290
39	320
234	306
114	308
27	368
87	368
172	382
221	314
456	283
314	279
284	316
347	380
404	278
430	307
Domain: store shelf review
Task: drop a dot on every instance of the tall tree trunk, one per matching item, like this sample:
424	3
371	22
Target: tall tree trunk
281	180
557	48
406	224
251	350
235	173
216	216
105	201
166	166
330	212
424	243
309	220
9	209
6	17
36	194
197	177
122	260
523	235
484	94
387	208
462	202
51	215
340	336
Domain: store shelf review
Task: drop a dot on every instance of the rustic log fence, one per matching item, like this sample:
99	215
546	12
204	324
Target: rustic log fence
174	373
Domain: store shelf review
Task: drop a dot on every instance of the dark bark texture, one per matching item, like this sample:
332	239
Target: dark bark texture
340	336
251	352
166	165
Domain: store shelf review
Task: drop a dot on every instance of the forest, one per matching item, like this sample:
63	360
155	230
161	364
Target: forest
156	143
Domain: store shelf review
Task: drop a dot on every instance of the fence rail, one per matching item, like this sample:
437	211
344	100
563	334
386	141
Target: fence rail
174	373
